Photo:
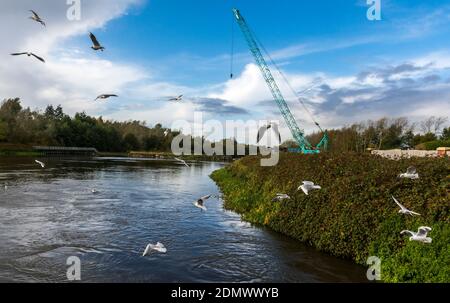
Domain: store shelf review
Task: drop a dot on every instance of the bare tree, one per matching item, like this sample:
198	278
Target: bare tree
439	122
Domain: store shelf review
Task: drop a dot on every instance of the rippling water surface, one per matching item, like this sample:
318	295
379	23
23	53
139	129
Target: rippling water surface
48	215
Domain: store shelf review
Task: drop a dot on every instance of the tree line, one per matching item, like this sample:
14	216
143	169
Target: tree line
389	133
53	127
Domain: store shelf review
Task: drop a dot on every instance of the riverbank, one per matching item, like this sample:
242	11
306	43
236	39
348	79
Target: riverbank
353	216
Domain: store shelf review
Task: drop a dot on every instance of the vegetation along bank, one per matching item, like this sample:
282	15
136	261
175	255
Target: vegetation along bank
353	216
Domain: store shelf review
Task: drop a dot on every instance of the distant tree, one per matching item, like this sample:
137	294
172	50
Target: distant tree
445	134
130	142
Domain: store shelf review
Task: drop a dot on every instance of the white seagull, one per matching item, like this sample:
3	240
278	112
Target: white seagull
200	203
280	197
307	186
166	133
182	161
411	173
177	99
404	210
94	191
29	54
96	45
36	18
420	235
105	96
40	163
159	247
262	130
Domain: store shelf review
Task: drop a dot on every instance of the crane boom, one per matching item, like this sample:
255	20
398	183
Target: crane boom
298	134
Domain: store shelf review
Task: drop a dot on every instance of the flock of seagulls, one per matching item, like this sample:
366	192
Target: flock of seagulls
96	46
421	235
411	173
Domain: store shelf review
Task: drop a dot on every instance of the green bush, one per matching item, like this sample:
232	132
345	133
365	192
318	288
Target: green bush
433	145
353	216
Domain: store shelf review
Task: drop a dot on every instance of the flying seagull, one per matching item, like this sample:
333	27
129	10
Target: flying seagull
307	186
404	210
179	98
262	130
96	45
40	163
411	173
420	235
28	54
36	18
182	161
280	197
159	247
200	203
105	96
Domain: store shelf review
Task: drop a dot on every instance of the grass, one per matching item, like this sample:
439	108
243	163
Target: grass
353	216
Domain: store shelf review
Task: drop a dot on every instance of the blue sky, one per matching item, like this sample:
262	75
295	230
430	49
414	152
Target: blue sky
398	66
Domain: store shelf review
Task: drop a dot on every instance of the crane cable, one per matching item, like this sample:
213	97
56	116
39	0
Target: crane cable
232	48
286	80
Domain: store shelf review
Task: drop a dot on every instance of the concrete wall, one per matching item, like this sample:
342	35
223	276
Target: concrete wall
398	153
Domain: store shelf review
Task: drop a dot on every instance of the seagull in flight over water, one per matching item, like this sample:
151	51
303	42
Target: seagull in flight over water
404	210
96	45
200	203
36	17
182	161
420	235
159	247
307	186
29	54
42	164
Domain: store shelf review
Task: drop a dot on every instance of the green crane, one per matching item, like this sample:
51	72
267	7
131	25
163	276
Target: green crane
304	145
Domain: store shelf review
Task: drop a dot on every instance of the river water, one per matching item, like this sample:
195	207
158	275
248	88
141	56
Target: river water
48	215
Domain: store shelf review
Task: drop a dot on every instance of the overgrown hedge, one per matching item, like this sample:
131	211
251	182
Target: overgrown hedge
353	216
433	145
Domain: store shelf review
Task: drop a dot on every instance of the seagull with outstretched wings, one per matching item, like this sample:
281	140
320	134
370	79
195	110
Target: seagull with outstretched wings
105	96
404	210
36	18
420	235
200	203
96	45
29	54
177	99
